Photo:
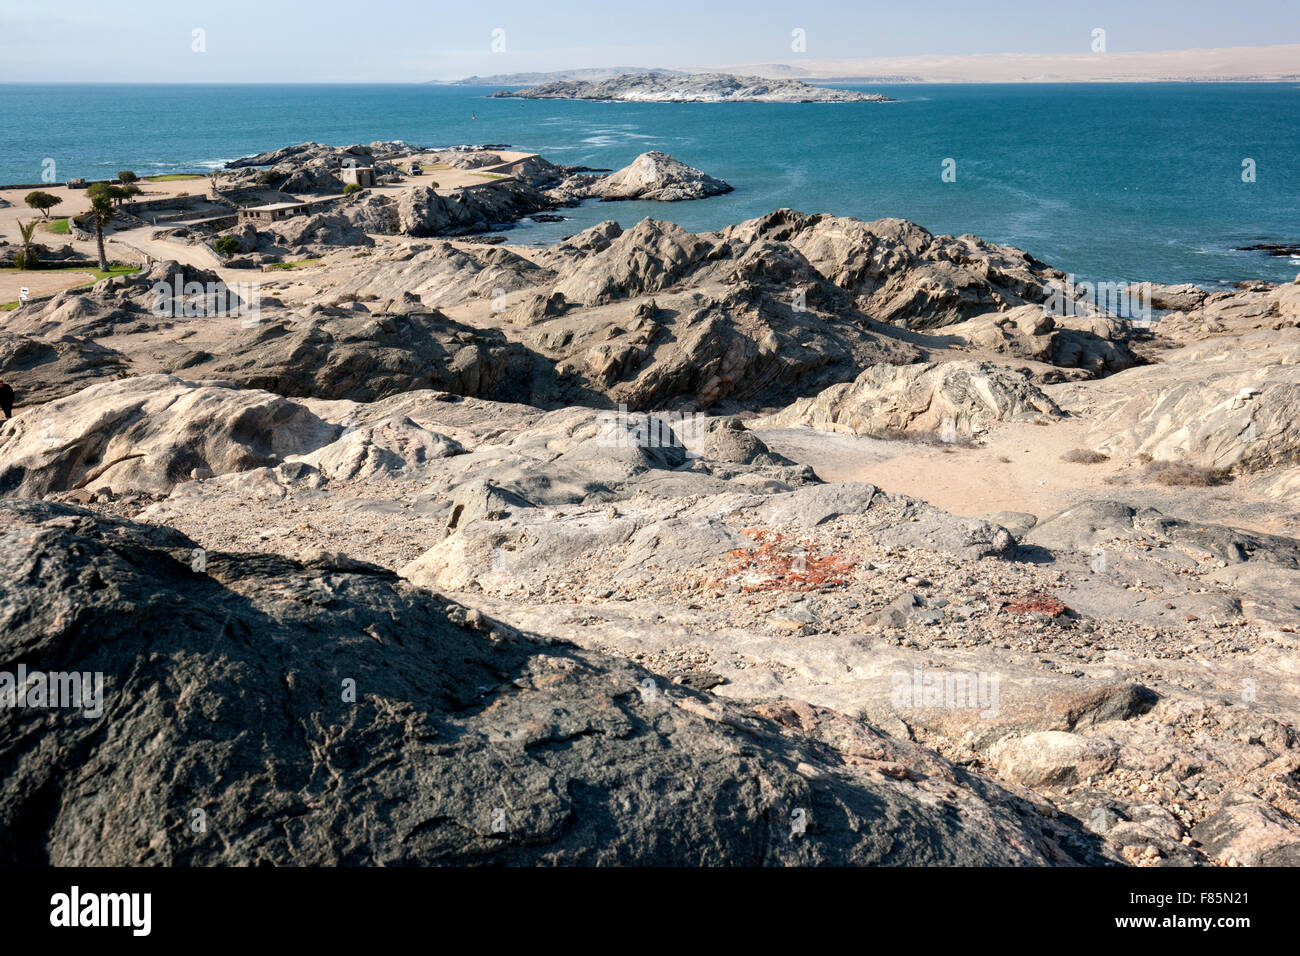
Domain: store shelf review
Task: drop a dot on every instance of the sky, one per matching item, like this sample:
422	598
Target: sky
412	41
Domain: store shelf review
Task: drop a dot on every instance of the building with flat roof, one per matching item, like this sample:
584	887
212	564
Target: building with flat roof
361	175
274	212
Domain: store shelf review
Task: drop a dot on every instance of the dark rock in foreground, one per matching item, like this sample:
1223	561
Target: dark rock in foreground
228	735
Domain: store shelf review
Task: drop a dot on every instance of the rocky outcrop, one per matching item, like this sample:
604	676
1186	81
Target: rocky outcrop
1198	315
40	370
960	398
311	167
899	272
656	87
160	297
643	260
249	728
422	211
1139	558
336	353
1206	405
150	432
657	176
321	229
1093	344
391	447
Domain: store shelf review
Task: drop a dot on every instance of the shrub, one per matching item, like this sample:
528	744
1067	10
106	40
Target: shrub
1084	456
226	245
351	188
1181	473
126	177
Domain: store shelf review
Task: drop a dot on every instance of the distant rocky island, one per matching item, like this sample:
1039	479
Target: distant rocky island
692	88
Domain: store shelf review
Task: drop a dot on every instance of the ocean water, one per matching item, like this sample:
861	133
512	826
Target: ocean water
1109	181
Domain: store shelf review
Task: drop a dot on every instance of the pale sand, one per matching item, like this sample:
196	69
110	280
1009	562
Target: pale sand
40	282
1277	63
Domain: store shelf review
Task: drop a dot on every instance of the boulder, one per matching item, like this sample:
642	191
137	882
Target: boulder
1053	758
149	433
962	398
657	176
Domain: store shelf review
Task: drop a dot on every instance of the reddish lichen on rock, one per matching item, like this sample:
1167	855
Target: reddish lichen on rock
786	563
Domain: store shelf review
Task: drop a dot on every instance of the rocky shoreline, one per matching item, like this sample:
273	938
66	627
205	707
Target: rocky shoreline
504	187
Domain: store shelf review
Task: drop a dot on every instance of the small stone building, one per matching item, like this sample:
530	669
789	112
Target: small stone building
274	212
360	175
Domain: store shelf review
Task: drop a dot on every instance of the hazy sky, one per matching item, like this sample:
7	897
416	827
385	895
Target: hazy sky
417	40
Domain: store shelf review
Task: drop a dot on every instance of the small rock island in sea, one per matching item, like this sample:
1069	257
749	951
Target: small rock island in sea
693	88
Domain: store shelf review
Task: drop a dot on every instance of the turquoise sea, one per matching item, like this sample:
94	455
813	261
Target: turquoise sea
1109	181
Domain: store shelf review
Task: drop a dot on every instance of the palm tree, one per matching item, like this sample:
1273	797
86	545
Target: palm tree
27	258
101	214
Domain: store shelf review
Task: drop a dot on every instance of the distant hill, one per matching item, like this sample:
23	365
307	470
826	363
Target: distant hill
593	75
1279	63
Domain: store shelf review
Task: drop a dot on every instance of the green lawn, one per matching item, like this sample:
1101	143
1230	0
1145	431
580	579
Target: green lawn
99	274
57	226
172	177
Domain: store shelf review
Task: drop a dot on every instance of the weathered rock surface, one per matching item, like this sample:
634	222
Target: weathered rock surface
364	357
899	272
1053	758
325	715
1094	344
149	432
1231	408
657	176
41	369
962	397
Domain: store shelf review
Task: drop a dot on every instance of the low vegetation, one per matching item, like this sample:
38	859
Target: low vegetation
28	256
1180	473
935	439
295	264
1084	456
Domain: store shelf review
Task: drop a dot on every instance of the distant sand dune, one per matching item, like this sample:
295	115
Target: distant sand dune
1242	63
